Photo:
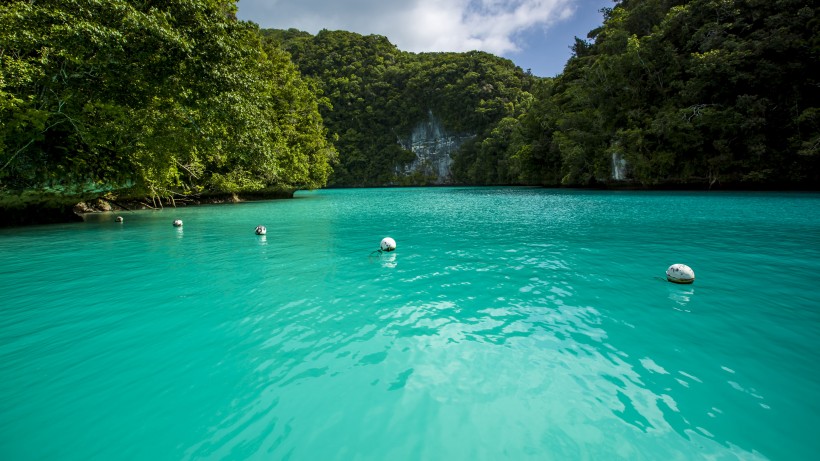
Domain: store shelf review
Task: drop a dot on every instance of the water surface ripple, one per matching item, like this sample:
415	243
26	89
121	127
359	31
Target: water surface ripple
510	323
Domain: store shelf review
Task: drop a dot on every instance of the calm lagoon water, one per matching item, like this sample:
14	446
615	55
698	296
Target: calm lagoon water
509	324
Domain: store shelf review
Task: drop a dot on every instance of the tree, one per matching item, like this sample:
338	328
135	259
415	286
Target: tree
378	94
150	98
700	91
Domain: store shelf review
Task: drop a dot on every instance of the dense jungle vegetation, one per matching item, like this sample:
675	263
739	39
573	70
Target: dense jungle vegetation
175	98
377	94
149	98
695	93
692	92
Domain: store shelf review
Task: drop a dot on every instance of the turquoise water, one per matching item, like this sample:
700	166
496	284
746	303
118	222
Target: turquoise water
509	324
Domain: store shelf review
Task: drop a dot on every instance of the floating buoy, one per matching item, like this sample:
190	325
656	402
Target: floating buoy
177	223
387	244
261	230
118	219
680	273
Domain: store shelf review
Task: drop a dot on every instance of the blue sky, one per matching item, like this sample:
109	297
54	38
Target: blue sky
535	34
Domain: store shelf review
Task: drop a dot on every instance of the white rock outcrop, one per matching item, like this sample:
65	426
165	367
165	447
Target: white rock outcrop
434	148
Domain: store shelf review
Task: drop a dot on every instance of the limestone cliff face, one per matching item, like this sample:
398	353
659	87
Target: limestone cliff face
618	167
434	148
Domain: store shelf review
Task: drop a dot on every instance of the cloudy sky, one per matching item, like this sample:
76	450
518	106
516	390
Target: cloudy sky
535	34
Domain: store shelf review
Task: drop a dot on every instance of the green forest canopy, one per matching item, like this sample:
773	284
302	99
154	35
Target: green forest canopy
691	93
148	98
171	98
376	94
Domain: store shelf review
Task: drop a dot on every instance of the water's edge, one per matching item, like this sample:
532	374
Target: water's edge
55	213
52	211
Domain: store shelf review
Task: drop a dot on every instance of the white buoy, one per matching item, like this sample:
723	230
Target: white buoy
387	244
177	223
261	230
680	273
118	219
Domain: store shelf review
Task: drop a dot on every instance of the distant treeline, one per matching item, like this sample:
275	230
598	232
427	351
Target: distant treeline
171	98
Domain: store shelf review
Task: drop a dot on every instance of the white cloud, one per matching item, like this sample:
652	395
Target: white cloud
417	25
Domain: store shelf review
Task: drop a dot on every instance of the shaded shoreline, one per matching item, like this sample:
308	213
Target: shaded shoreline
50	212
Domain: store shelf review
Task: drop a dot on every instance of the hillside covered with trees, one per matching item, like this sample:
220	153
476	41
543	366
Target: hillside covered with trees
149	99
376	94
700	93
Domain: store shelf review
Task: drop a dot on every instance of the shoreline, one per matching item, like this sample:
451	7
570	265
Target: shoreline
49	212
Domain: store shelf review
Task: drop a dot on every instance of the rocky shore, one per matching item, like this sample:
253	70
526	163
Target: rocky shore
52	211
